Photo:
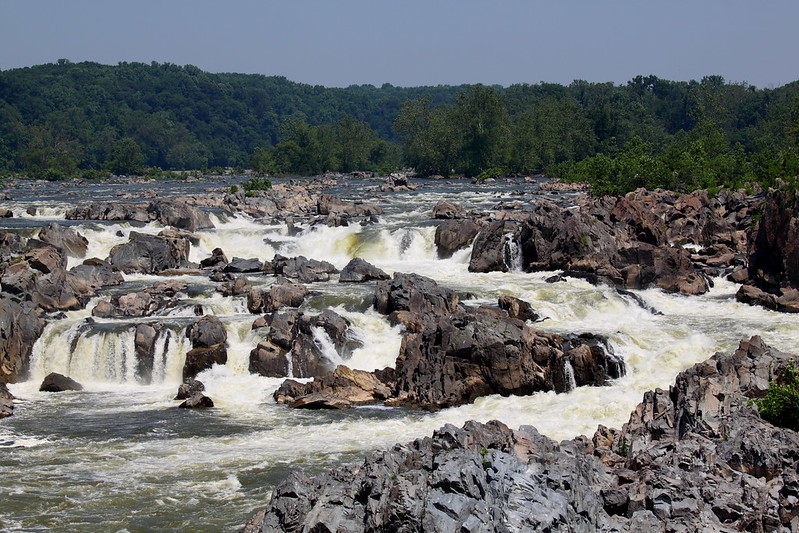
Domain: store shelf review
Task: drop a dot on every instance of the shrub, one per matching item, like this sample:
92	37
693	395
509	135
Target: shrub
780	405
256	184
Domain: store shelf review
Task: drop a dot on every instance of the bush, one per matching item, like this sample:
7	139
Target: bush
256	184
780	405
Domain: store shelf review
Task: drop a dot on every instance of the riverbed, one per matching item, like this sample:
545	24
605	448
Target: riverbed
120	455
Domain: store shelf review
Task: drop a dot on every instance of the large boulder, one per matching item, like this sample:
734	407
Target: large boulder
6	402
448	210
20	328
490	251
66	239
302	269
359	271
452	235
342	388
40	275
467	355
177	213
132	304
283	293
149	254
416	294
55	382
208	339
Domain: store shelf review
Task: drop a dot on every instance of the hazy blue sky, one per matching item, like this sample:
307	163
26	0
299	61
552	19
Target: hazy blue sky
414	42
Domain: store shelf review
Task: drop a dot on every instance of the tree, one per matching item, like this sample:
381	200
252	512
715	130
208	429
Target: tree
482	120
125	157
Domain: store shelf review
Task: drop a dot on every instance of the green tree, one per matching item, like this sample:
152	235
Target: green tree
484	125
125	157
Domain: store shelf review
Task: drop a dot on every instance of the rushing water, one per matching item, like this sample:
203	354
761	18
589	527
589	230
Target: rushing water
119	455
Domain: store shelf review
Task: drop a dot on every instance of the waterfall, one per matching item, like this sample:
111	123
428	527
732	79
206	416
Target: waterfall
513	254
568	375
105	352
326	347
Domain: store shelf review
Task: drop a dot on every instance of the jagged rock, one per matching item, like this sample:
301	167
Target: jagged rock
199	359
517	308
452	235
359	271
303	269
489	251
208	337
448	210
283	293
6	402
239	265
329	204
71	242
6	213
55	382
173	212
461	357
20	328
144	346
236	287
216	260
41	276
189	388
86	279
149	254
197	401
132	304
268	359
12	244
696	458
341	389
414	293
206	331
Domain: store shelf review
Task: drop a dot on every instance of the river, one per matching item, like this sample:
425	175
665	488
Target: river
120	456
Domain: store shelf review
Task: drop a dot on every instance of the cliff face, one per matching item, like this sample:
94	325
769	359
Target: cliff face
696	457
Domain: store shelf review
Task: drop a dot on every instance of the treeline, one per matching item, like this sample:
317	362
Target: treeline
58	120
647	133
64	118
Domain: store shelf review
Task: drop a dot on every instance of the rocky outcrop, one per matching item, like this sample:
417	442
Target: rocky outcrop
208	339
189	388
464	356
20	327
68	240
55	382
316	344
283	293
360	271
694	458
132	304
302	269
773	272
167	211
40	275
448	210
197	401
149	254
341	389
415	294
6	402
91	276
452	235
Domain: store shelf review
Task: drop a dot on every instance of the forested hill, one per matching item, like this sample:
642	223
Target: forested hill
181	116
64	119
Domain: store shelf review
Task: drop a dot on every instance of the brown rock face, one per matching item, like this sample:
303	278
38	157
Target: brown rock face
20	327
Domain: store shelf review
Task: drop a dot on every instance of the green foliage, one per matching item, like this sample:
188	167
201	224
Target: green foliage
256	184
780	405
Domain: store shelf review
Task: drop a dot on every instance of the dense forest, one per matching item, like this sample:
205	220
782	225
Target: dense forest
86	119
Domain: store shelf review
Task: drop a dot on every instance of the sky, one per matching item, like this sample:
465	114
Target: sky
337	43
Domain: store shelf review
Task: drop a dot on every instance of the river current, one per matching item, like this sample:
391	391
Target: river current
120	456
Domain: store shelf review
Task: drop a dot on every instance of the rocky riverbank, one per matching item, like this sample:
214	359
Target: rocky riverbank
694	458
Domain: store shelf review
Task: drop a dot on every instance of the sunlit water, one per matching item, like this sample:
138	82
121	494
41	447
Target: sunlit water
120	456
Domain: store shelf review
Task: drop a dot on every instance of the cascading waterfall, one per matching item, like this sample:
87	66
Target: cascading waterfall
105	352
326	347
513	254
568	374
